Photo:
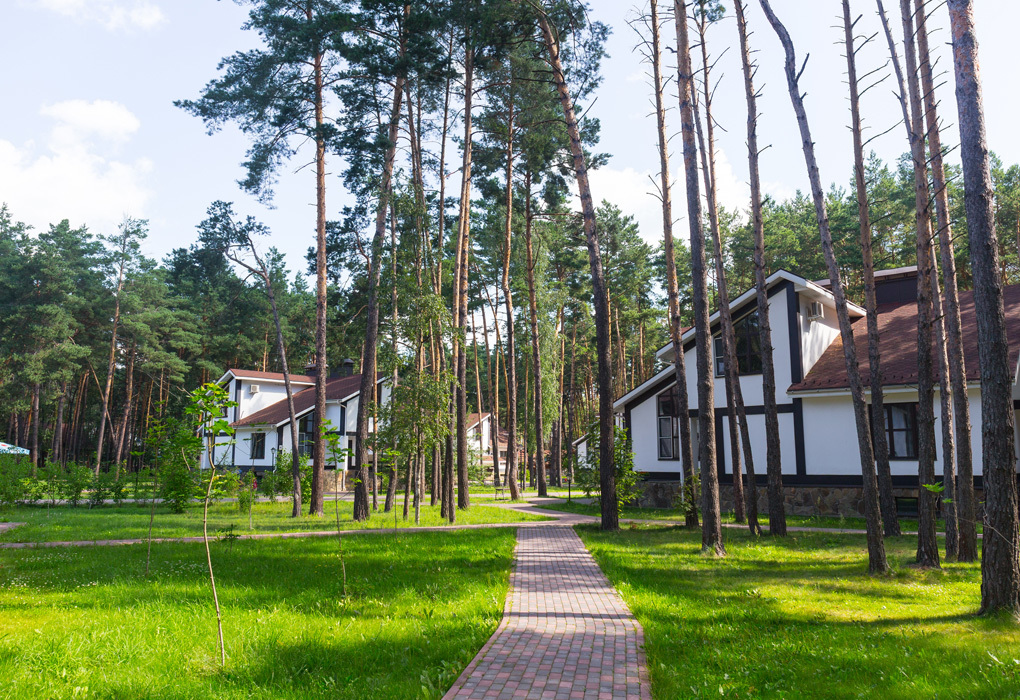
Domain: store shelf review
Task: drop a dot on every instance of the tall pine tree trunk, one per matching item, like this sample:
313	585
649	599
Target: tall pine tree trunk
315	500
672	294
1000	568
773	454
736	417
880	442
963	498
711	527
876	545
508	301
460	285
536	345
607	470
368	359
927	544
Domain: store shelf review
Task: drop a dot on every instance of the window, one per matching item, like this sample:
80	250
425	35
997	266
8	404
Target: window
668	408
258	446
901	430
748	347
306	434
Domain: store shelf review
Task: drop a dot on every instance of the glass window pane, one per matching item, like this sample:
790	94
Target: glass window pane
898	416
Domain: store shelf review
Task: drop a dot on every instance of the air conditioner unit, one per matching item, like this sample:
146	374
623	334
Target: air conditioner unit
253	388
815	310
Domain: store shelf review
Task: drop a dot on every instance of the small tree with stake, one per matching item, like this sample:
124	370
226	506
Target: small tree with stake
336	453
208	405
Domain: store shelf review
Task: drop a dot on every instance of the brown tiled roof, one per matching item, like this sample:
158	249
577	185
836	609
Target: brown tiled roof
473	420
897	327
252	374
336	388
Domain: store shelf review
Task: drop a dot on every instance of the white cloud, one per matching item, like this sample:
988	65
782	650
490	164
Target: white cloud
113	14
79	120
636	193
77	173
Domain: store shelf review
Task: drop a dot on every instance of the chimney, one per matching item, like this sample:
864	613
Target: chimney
312	369
347	368
896	286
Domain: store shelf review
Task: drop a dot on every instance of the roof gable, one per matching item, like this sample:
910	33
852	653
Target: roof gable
338	389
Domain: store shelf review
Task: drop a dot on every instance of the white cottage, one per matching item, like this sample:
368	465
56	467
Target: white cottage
820	459
261	418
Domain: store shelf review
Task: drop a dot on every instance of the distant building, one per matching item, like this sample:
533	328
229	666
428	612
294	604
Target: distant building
261	419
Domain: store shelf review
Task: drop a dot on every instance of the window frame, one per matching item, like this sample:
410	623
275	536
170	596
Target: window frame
667	408
911	431
306	438
745	362
258	446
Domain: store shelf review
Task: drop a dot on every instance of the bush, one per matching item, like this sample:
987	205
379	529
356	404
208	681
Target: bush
99	489
268	484
76	479
283	478
15	472
178	485
246	494
628	481
118	489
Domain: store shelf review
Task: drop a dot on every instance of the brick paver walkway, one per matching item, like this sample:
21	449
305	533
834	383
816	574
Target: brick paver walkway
566	634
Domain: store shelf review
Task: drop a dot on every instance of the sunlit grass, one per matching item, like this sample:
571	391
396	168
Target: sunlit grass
131	521
85	622
800	618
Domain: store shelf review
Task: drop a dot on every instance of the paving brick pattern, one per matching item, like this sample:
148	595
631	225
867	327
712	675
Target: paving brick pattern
566	634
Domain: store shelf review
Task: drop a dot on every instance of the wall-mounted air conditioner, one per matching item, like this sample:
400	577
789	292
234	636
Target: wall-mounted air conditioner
815	311
253	388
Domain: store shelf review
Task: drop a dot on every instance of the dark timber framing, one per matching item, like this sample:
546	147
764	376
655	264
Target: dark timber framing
794	407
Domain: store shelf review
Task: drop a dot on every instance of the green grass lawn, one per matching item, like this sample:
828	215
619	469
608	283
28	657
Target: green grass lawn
132	520
800	618
672	515
85	622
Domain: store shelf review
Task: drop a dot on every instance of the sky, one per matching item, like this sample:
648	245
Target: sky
89	131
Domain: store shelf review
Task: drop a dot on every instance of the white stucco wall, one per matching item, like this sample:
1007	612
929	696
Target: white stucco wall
756	429
816	334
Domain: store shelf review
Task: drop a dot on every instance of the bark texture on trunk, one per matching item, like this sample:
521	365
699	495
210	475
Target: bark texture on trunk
315	504
773	454
366	392
460	285
736	417
1000	568
963	495
711	526
876	545
927	501
672	293
879	437
607	471
536	344
508	301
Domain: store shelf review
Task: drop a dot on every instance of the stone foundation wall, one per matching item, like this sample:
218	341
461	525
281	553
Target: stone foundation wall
800	500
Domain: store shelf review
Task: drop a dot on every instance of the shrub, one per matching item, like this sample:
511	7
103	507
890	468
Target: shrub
178	485
99	489
268	484
628	481
15	472
228	485
77	478
246	494
118	489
